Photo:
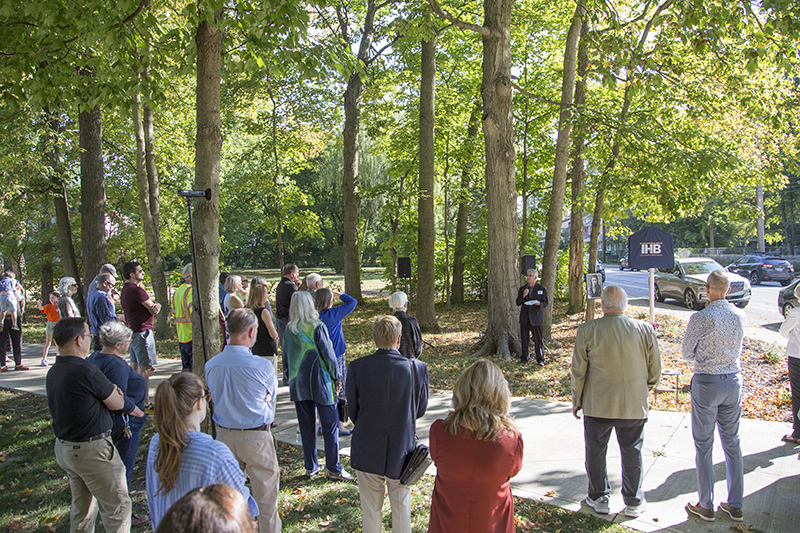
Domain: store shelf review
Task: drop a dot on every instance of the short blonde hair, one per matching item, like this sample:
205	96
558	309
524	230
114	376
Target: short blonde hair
481	402
719	281
232	283
398	300
385	332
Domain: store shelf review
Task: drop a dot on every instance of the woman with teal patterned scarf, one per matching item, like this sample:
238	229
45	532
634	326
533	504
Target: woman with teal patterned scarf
313	383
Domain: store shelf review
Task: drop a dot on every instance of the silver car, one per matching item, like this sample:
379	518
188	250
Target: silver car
686	281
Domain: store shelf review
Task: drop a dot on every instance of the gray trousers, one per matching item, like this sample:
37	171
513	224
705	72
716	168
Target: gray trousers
717	402
597	432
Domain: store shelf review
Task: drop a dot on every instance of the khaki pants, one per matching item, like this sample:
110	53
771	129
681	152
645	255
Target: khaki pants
371	488
96	478
255	451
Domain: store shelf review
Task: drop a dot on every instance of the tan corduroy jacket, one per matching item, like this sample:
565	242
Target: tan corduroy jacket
615	363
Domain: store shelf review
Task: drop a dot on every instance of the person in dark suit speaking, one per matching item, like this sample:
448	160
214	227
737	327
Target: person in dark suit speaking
532	298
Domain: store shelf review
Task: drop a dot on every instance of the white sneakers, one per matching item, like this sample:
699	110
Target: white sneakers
600	506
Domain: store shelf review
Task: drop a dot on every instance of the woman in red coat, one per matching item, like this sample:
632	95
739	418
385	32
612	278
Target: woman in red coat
477	449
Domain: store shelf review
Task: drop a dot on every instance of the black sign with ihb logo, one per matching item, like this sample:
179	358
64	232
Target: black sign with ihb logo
651	248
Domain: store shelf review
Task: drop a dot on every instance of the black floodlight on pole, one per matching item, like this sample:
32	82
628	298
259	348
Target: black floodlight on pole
197	301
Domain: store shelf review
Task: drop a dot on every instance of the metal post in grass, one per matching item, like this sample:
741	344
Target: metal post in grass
196	282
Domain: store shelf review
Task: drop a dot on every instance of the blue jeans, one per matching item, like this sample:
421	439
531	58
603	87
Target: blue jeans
329	420
186	356
596	432
128	448
717	402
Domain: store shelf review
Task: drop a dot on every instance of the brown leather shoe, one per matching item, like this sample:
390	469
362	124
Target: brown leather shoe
699	511
21	367
3	368
734	512
139	520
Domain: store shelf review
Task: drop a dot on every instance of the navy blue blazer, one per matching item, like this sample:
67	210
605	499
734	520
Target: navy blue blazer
378	389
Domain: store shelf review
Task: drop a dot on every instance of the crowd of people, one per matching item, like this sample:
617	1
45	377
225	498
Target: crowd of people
99	404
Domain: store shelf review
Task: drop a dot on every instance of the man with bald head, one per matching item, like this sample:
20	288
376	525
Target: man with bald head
615	363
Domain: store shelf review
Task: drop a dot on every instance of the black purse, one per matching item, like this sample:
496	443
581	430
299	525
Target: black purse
341	406
419	459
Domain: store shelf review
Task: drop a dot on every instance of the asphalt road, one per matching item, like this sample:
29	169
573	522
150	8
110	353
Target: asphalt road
762	312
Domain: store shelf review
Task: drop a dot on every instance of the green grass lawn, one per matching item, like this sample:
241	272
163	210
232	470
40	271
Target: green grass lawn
35	496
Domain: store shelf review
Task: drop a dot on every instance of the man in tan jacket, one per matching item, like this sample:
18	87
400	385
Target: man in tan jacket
615	363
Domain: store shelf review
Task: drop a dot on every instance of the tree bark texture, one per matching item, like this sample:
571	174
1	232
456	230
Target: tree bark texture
575	279
555	211
147	177
426	237
275	175
66	245
502	329
207	172
350	194
462	216
93	194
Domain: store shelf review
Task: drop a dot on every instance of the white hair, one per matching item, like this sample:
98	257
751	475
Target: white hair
398	300
113	332
302	311
312	280
64	284
614	298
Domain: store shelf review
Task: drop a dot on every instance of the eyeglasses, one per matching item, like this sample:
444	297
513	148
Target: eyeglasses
207	395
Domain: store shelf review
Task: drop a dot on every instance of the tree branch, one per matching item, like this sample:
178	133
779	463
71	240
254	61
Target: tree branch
456	22
535	96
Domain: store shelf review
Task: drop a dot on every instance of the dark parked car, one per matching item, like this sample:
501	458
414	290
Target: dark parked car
686	281
758	268
786	298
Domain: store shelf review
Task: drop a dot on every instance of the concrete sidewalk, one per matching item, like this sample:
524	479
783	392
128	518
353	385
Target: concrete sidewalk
553	469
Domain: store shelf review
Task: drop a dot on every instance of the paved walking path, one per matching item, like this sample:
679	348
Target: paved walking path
553	469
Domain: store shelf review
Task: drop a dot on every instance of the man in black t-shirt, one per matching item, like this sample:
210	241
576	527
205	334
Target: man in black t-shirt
79	397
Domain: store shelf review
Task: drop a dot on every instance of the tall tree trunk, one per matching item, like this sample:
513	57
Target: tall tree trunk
555	212
502	329
426	236
575	278
352	122
462	216
46	278
93	194
597	218
69	261
66	245
207	172
147	177
275	175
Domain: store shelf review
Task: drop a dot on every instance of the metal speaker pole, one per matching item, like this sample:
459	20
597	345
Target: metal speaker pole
196	300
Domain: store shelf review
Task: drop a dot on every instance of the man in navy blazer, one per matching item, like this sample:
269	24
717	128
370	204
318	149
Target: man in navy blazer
533	298
382	390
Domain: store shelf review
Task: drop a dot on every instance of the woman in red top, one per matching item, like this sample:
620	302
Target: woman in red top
477	449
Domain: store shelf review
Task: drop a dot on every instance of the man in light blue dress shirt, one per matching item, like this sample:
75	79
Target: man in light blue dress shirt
242	386
713	341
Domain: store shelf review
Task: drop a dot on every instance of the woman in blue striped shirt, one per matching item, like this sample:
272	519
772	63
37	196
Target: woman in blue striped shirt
181	457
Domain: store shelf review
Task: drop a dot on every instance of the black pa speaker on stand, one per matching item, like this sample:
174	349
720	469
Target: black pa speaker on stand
404	269
527	262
